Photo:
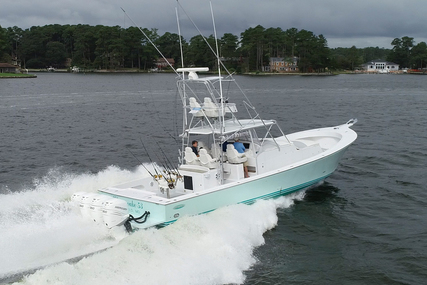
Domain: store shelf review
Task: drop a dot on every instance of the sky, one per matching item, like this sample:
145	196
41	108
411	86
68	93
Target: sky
344	23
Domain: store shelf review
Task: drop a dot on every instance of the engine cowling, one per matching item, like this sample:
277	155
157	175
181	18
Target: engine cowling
76	199
97	206
86	203
115	212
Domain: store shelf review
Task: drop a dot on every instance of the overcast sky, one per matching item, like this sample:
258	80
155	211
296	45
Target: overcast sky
343	22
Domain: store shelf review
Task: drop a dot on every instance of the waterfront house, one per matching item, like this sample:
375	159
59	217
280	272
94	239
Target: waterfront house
380	66
162	63
282	64
7	68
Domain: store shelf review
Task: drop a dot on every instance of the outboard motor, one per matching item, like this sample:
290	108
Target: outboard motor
97	206
115	212
86	203
76	199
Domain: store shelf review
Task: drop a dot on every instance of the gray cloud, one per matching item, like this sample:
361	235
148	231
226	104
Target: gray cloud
342	22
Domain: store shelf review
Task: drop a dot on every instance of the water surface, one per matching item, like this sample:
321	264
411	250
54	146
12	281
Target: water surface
63	133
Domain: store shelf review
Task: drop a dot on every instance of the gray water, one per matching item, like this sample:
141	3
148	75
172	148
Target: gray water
364	225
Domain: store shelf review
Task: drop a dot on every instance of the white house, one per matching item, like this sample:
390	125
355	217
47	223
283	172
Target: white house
380	66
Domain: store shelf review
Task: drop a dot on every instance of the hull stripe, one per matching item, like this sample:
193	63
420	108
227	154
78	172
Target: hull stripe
264	197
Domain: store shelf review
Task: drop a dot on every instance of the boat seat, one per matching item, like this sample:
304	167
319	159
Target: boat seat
190	157
206	160
210	108
234	156
196	109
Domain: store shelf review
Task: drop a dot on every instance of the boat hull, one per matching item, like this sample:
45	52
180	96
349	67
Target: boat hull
279	183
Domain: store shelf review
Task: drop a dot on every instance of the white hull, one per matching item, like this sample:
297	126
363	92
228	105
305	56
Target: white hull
281	181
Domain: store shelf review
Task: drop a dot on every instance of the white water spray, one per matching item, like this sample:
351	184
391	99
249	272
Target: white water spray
40	228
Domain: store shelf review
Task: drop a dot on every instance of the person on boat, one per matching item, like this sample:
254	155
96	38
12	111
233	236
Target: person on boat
194	147
241	149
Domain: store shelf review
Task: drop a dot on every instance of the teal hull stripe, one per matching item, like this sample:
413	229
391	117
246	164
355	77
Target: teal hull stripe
264	197
285	191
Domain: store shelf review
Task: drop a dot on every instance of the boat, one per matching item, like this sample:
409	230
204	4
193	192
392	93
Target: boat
277	165
272	164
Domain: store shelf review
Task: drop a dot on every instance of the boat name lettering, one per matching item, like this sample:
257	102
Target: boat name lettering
138	205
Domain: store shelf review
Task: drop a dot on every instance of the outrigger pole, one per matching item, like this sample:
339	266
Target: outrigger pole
151	42
184	102
221	117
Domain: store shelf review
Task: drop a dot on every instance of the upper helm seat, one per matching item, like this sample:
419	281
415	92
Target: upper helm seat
210	108
194	105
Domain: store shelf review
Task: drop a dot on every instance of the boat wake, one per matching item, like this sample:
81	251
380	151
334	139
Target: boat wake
40	227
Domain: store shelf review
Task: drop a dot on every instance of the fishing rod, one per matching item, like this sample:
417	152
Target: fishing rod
169	166
166	168
170	163
140	162
152	163
166	171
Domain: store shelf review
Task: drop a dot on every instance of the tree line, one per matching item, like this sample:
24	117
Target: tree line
404	52
106	47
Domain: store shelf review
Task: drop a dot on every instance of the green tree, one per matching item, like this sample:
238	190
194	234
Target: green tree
133	39
3	43
228	44
354	57
252	47
68	40
149	53
312	51
419	55
275	42
84	46
199	54
110	48
228	51
55	54
33	47
290	41
401	51
14	36
168	44
373	53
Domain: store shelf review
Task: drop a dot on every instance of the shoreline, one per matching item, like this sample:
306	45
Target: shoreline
133	71
289	74
17	75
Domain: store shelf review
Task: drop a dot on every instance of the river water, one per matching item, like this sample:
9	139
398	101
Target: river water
366	224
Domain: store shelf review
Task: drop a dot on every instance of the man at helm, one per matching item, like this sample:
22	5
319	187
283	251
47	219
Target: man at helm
241	149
